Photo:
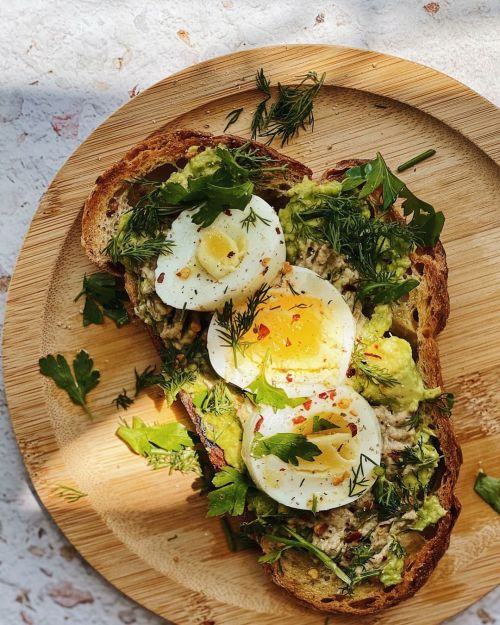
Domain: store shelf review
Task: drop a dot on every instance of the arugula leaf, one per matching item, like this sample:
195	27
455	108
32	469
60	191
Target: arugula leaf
374	174
286	446
265	393
488	488
84	380
162	444
104	296
230	494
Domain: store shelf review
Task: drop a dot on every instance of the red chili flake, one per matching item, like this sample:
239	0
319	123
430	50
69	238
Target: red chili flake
350	372
288	342
289	377
320	528
353	427
323	395
278	231
348	554
231	254
255	329
299	419
307	404
295	317
228	212
373	355
262	332
258	423
160	278
332	394
395	455
353	536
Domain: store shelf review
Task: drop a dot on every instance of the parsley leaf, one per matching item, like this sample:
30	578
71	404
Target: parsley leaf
230	494
77	384
287	447
104	296
320	424
488	488
265	393
374	174
162	444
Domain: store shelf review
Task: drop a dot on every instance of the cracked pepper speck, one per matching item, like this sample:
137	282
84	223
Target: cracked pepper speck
64	67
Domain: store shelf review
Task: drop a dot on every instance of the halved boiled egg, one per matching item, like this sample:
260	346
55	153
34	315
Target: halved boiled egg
303	334
344	428
229	259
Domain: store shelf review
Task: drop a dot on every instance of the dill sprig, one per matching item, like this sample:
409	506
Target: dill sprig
359	481
234	325
292	110
232	117
183	460
122	400
124	246
372	372
393	497
146	379
68	493
218	401
251	219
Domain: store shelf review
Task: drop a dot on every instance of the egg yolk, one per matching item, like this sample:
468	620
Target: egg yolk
289	328
218	253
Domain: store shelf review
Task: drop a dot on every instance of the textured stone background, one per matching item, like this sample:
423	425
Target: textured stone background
64	66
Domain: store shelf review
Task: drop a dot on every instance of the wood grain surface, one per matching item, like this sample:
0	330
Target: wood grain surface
146	531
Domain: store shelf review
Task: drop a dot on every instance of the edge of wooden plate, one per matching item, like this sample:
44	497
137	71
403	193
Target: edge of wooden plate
457	106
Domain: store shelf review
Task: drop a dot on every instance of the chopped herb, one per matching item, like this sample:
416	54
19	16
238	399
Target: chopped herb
230	492
251	220
162	444
359	481
300	542
104	295
314	504
68	493
265	393
392	497
125	247
77	384
273	556
286	446
320	424
416	159
146	379
232	117
444	403
372	372
122	400
234	325
488	488
292	110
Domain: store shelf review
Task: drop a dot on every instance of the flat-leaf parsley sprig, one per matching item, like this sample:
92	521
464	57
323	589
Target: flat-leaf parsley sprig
104	296
77	384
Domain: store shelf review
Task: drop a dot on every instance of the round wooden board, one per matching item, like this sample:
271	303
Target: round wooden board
145	531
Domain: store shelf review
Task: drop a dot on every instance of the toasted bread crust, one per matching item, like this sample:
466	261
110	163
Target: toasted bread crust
428	307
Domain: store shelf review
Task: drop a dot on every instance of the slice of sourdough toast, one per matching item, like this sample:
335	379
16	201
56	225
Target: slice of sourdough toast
419	319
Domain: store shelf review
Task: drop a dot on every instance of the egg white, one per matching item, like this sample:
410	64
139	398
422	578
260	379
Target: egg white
321	371
300	486
180	280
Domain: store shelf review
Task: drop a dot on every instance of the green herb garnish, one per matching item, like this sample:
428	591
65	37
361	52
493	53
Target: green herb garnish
234	325
146	379
372	372
77	384
68	493
416	159
320	424
164	445
488	488
122	400
288	447
104	296
265	393
251	219
124	246
359	480
292	110
232	117
230	493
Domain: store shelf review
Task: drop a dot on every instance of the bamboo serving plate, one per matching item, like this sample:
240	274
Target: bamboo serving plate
146	530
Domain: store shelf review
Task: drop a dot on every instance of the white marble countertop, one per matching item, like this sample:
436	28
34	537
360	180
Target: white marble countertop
64	67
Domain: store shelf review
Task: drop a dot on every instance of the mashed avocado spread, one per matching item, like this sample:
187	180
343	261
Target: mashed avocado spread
429	513
392	570
202	164
393	357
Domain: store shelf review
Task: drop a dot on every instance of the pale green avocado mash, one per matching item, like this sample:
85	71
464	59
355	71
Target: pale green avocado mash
303	196
429	456
222	425
393	356
429	513
203	164
392	570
